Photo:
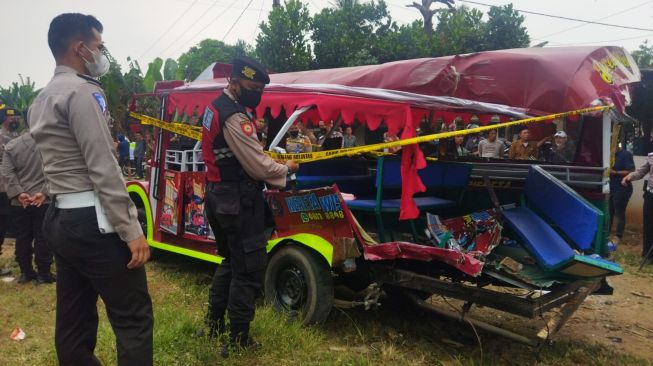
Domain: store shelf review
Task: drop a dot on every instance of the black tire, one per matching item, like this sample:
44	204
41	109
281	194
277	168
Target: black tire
298	282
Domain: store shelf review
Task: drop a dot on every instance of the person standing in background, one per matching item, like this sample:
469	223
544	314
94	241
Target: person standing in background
22	171
641	172
139	154
350	139
9	123
619	194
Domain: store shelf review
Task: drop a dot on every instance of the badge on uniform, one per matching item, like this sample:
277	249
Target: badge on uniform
99	98
208	117
247	127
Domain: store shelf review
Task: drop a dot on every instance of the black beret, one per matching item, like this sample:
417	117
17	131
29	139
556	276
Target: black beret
249	69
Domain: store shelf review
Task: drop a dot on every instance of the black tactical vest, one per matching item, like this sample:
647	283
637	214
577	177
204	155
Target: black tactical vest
230	168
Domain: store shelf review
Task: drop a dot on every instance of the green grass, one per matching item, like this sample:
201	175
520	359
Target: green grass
179	288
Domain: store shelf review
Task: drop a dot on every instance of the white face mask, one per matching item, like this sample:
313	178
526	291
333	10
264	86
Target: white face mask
100	64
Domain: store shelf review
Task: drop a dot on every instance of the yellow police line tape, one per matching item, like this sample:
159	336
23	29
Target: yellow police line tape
194	133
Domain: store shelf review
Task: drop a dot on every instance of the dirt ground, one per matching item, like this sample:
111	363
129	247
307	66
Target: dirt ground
625	319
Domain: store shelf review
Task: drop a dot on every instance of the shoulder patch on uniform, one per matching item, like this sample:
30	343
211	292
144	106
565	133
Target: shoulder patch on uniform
247	127
208	117
99	98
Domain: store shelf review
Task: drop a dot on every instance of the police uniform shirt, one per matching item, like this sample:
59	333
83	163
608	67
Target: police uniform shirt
646	168
240	135
69	122
5	137
22	169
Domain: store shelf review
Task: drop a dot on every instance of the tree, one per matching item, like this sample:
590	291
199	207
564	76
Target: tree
282	45
170	69
347	35
153	74
427	12
405	42
208	51
460	31
505	29
19	95
644	55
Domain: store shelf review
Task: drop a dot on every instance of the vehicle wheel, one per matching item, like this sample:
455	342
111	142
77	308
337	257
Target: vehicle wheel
299	283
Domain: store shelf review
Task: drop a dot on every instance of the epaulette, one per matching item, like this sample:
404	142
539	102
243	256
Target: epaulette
88	78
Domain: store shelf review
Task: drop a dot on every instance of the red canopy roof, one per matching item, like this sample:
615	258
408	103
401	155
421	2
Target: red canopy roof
547	80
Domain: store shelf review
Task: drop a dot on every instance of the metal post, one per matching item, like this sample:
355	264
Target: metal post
606	131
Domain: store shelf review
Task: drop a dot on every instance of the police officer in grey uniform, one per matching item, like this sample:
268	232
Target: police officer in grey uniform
641	172
92	225
236	169
9	123
22	172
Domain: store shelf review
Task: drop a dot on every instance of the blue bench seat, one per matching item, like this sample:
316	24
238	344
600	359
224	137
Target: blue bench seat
578	223
393	205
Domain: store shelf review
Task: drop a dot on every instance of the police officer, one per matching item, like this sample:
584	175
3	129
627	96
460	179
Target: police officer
297	142
92	224
22	171
641	172
236	169
9	123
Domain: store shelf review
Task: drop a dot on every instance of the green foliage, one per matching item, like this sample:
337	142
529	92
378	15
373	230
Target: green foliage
349	34
153	74
134	77
505	29
644	55
208	51
170	69
19	95
116	91
460	31
405	42
282	45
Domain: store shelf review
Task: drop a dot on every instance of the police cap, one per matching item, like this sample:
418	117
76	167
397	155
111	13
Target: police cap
246	68
6	111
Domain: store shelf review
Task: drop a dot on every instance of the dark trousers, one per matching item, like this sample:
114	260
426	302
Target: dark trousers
618	203
236	213
91	264
30	242
138	160
648	224
5	217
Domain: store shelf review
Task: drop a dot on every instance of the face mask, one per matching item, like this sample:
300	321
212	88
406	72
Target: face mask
294	134
13	126
249	98
99	66
323	130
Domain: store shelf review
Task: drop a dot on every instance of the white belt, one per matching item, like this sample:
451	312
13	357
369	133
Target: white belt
75	200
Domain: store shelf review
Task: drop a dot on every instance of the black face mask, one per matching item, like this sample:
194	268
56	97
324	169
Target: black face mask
249	98
13	126
294	134
323	130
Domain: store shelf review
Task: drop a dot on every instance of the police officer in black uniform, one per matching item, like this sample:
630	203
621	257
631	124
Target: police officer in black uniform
237	167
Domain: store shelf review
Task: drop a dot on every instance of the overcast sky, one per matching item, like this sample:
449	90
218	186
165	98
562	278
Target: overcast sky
132	28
